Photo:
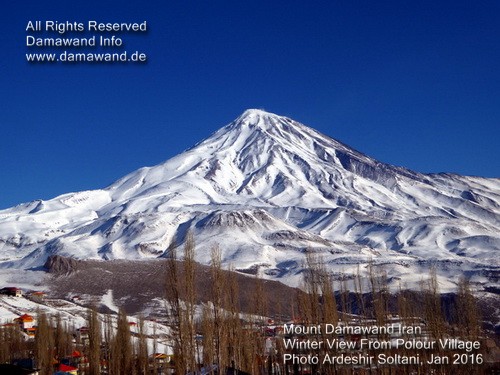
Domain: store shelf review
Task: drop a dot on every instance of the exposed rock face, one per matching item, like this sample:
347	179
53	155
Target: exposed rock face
58	265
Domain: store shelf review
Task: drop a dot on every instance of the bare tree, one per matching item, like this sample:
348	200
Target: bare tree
189	300
380	294
181	304
218	313
44	344
234	329
142	349
94	349
208	330
155	349
405	306
121	348
432	306
312	287
60	338
358	289
468	315
174	309
12	344
345	303
108	339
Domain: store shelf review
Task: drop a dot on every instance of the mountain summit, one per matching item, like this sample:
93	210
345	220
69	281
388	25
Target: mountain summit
267	189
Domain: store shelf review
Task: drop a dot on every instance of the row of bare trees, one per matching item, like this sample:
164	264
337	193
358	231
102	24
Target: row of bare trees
221	334
369	296
218	334
367	299
211	335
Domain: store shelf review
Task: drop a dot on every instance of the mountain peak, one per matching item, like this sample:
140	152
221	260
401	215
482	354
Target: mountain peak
256	118
253	113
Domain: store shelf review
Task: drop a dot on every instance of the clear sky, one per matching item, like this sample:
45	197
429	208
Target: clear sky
411	83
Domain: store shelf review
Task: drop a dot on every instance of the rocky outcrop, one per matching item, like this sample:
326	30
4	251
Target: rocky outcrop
59	265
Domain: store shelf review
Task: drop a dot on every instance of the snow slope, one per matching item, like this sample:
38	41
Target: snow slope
267	189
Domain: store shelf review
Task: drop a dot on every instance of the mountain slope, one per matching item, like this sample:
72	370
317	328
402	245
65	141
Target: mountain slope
266	189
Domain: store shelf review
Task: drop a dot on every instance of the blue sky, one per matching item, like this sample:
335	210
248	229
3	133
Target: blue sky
410	83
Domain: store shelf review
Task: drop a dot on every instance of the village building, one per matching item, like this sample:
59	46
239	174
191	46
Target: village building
38	295
25	321
11	291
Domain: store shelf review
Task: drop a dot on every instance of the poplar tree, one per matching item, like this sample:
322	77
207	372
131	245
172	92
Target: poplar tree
380	294
190	271
208	331
312	287
181	304
12	344
358	289
121	361
94	350
44	345
142	349
468	318
433	313
217	298
174	310
236	339
155	349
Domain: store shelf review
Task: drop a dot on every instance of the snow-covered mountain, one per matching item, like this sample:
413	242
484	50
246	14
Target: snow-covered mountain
266	188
